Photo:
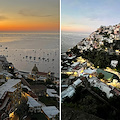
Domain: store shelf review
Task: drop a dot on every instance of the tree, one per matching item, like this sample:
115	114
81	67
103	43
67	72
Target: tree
100	76
22	110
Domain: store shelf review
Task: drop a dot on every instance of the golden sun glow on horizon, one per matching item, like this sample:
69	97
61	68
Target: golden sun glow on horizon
30	27
40	15
75	29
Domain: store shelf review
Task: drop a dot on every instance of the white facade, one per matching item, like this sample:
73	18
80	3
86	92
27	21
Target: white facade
102	86
34	106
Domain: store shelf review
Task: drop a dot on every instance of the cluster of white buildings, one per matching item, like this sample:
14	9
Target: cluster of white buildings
97	38
112	31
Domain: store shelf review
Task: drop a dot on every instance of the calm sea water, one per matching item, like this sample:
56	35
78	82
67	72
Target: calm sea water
70	39
24	49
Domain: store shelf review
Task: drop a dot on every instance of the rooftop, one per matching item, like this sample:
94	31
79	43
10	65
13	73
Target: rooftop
42	73
107	75
77	82
89	71
50	111
68	92
32	102
75	64
70	58
52	93
8	86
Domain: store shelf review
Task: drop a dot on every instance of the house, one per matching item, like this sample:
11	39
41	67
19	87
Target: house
41	78
34	106
75	64
7	75
114	63
89	72
98	37
77	82
69	92
63	56
117	36
30	92
10	90
117	33
51	93
79	69
102	86
50	111
71	58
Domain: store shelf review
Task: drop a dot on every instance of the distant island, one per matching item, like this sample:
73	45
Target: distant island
90	76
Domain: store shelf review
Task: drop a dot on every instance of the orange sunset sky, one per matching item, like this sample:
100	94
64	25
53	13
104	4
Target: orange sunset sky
29	15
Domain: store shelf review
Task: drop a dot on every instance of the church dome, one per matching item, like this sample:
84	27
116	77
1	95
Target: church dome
35	69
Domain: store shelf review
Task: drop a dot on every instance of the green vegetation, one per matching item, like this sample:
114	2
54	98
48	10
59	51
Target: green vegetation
22	110
86	102
82	100
75	50
38	116
99	92
106	35
64	76
48	101
49	82
100	76
98	58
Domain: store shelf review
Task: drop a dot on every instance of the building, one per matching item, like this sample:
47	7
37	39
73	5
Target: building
114	63
34	70
107	76
29	91
34	106
69	92
90	72
51	93
11	90
6	75
102	86
50	111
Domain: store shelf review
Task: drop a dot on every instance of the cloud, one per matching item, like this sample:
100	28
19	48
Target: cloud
31	13
2	18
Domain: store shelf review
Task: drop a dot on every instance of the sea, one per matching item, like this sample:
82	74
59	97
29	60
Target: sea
70	39
25	49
